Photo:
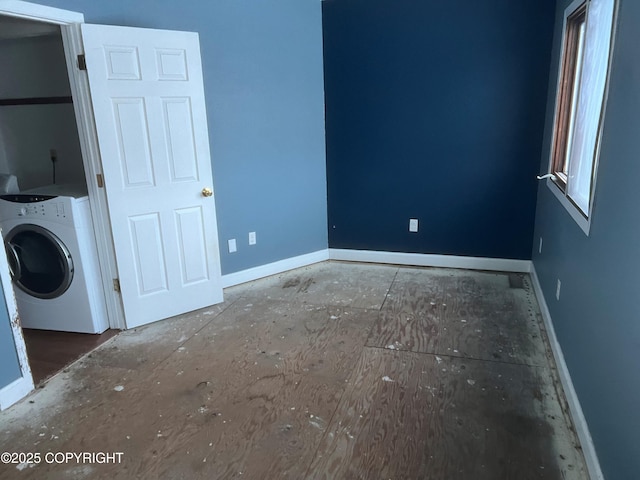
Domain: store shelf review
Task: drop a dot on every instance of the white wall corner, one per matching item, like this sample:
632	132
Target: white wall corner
431	260
243	276
15	391
579	421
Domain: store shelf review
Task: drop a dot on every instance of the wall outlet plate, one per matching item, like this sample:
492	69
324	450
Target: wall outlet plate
233	247
252	238
413	225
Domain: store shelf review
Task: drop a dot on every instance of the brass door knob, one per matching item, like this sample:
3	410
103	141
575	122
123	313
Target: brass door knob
207	192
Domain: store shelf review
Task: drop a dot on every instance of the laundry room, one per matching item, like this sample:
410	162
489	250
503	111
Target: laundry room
38	134
44	208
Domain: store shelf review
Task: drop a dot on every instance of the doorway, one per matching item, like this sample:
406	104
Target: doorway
138	100
40	149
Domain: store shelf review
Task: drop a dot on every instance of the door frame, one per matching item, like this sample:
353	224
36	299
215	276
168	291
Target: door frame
69	23
20	387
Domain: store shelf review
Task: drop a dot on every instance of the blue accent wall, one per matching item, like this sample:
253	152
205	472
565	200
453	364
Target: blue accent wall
597	319
435	111
264	89
9	365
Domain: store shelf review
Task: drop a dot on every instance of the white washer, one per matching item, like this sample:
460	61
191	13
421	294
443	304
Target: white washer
53	260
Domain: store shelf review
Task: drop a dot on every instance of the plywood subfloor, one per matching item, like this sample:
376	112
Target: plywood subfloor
331	371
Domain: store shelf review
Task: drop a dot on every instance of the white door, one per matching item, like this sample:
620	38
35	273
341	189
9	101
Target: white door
148	100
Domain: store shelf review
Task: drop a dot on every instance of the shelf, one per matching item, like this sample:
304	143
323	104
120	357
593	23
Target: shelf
34	101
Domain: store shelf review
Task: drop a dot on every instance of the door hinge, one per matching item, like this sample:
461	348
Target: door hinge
82	62
116	284
100	180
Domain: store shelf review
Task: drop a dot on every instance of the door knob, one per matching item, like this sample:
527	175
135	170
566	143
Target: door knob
207	192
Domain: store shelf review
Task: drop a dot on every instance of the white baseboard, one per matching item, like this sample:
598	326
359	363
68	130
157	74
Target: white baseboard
370	256
580	423
431	260
16	390
274	268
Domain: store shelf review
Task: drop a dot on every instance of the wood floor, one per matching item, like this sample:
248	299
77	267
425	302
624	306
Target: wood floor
334	371
49	352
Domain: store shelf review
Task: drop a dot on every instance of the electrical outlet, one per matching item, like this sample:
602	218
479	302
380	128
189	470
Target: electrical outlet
413	225
232	246
540	247
252	238
53	155
558	290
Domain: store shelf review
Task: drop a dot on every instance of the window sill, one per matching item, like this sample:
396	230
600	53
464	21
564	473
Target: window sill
572	210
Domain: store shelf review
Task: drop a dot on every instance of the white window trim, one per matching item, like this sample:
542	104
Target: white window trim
584	222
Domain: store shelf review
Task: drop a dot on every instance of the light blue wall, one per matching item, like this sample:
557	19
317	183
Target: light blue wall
9	366
263	79
597	319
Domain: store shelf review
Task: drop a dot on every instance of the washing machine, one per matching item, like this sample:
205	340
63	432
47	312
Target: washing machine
53	259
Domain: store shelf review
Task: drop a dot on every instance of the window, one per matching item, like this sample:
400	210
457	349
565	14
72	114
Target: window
580	102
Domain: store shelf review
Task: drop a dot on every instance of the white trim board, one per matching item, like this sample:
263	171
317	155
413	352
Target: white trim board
431	260
243	276
582	429
34	11
24	384
15	391
19	388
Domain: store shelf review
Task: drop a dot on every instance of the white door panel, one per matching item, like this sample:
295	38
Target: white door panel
148	100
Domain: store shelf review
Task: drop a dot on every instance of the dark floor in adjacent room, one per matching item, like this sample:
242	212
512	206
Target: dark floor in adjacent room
333	371
49	352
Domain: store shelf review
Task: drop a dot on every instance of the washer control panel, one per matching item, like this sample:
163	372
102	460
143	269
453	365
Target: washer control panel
44	207
48	209
30	209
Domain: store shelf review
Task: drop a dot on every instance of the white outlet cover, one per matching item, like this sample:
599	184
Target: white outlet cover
413	225
252	238
232	246
558	290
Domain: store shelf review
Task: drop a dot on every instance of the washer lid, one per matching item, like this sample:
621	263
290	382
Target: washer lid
40	263
75	190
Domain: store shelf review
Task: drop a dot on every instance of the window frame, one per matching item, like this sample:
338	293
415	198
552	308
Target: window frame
568	90
565	109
